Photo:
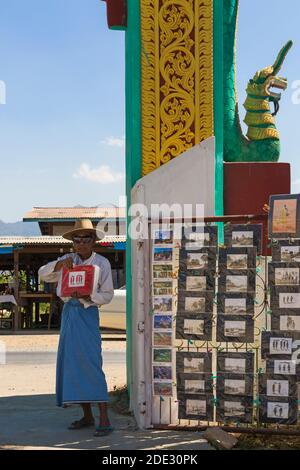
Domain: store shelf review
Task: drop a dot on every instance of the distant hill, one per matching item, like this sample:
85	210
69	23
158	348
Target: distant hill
21	229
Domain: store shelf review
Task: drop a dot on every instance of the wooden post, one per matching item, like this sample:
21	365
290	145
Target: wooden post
27	278
124	265
16	290
36	304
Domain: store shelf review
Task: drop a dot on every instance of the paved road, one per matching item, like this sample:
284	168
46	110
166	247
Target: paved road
42	357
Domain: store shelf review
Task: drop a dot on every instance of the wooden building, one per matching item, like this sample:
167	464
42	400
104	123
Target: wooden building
21	257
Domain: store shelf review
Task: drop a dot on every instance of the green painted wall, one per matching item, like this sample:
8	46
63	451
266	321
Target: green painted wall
219	111
133	145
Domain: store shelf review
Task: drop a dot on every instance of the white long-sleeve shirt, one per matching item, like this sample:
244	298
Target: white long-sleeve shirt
105	289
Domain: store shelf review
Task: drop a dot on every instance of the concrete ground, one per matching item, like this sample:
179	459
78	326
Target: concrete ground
29	418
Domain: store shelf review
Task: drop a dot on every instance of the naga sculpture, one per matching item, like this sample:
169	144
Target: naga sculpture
262	143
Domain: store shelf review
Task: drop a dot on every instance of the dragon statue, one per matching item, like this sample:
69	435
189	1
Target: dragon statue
262	143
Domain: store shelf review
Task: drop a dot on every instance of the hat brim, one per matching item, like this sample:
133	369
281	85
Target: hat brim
72	233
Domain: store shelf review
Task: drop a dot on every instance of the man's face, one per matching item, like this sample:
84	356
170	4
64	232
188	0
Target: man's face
84	243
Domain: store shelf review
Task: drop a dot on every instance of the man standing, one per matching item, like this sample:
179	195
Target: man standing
79	375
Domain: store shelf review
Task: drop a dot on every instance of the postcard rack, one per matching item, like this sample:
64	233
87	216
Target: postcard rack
224	323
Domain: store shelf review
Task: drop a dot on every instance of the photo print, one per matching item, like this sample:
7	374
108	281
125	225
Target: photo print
281	346
234	387
163	288
162	322
162	254
278	343
162	355
162	271
235	409
284	275
162	339
237	259
163	389
282	367
237	284
235	304
200	283
162	373
163	237
194	384
289	300
285	300
200	235
229	385
195	407
197	239
197	261
235	363
163	304
193	363
244	236
241	282
196	283
235	329
286	251
235	366
194	327
195	303
277	386
286	322
278	411
284	216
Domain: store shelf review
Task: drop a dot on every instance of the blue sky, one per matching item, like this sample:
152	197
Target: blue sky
62	128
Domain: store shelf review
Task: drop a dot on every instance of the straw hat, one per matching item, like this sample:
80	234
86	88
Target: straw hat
85	226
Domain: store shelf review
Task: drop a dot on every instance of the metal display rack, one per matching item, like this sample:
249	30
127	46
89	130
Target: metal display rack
164	409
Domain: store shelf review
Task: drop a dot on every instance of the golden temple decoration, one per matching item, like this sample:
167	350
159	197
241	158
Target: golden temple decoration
177	78
255	133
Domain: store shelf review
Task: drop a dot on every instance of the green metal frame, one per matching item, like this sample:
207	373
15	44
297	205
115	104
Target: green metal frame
218	111
133	146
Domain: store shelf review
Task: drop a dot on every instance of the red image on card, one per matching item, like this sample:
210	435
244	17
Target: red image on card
78	279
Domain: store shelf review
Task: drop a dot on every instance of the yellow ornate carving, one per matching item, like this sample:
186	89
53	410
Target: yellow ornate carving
177	77
253	104
254	133
256	119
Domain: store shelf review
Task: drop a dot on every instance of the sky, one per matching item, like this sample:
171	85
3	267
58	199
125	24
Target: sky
63	125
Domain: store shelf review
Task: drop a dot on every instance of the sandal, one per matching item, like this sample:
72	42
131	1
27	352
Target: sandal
103	431
82	423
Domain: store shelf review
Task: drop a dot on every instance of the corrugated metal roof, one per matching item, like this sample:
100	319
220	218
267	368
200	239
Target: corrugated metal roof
73	213
52	240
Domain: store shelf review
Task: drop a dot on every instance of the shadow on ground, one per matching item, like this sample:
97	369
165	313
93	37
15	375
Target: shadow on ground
35	422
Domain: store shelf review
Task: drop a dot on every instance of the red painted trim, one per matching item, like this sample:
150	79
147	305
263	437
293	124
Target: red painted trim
248	187
116	13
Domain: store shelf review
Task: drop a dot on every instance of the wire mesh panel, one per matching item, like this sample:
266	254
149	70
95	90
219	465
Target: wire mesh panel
224	323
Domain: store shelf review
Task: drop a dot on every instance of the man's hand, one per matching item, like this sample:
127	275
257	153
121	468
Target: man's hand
77	295
66	263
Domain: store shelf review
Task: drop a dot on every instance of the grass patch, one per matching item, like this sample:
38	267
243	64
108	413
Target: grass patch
259	442
119	400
